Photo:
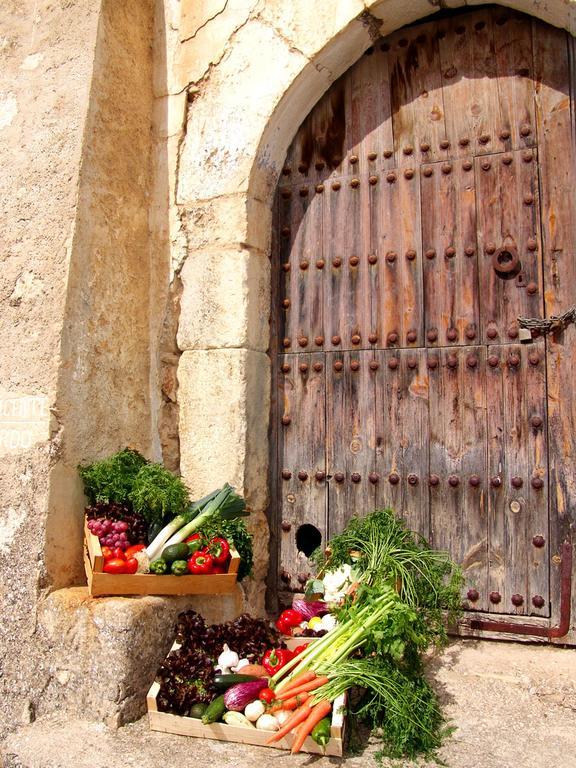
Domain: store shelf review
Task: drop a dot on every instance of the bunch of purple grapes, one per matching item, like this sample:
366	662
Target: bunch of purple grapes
110	533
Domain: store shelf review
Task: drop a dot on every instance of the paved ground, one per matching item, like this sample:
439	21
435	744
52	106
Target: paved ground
513	706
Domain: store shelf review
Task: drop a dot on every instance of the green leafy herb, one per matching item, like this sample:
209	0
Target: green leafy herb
157	492
112	479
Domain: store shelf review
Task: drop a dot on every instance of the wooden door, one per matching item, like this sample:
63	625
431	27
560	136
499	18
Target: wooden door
425	205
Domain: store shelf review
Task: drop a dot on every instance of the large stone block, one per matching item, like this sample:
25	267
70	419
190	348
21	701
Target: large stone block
103	653
224	404
225	301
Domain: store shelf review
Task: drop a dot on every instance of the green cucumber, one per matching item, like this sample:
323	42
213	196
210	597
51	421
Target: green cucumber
175	552
198	710
214	710
225	681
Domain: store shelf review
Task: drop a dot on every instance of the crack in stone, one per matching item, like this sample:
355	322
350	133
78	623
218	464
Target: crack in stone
205	24
290	43
371	23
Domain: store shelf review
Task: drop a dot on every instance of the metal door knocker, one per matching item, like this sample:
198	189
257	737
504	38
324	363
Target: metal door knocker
506	262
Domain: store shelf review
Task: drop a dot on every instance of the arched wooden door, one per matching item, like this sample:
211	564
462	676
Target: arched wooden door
426	203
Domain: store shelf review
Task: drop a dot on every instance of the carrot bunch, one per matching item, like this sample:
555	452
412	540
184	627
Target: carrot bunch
303	720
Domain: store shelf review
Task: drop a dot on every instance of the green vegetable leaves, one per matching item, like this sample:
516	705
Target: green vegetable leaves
111	479
156	493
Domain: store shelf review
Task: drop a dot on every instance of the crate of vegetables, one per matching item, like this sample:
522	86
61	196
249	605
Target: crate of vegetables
144	536
205	689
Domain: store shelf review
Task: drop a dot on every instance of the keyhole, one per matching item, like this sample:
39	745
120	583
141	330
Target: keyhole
308	538
504	257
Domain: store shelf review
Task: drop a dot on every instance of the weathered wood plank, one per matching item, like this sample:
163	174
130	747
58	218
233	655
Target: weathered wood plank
555	90
450	260
350	436
458	519
401	416
416	96
508	213
301	455
396	243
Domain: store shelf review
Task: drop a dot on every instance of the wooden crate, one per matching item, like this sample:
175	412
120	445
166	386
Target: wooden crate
191	726
100	583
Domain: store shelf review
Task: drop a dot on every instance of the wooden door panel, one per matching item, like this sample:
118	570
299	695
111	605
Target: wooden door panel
458	519
401	416
300	223
449	247
350	434
346	271
416	96
508	229
396	245
301	455
517	467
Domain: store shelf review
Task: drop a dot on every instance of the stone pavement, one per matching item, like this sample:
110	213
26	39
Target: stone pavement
513	706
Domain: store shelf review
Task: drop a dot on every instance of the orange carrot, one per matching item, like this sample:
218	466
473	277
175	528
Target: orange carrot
297	717
311	686
303	677
318	712
291	703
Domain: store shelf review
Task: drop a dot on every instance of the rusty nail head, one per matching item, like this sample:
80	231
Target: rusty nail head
339	477
531	244
353	159
514	359
286	474
336	185
286	420
408	149
338	365
444	144
286	194
319	165
320	264
356	339
532	288
507	159
355	365
527	156
471	361
504	134
390	177
320	475
286	368
413	479
495	597
467	165
469	250
493	361
517	600
450	252
490	248
486	165
374	365
392	337
393	363
470	332
372	156
303	367
464	141
517	482
302	475
286	342
537	483
303	341
355	477
373	478
319	340
412	363
408	173
317	367
319	188
432	334
337	262
304	192
285	576
428	171
513	332
353	261
302	168
411	336
372	259
446	168
452	334
424	147
525	130
534	358
302	578
495	482
372	180
484	138
528	198
387	153
538	601
304	264
336	340
492	333
286	171
393	478
474	481
286	303
411	254
453	481
430	253
432	362
373	338
286	266
452	361
391	257
286	526
472	595
285	231
536	421
355	183
433	480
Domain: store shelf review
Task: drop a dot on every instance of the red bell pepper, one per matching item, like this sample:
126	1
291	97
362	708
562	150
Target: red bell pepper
219	549
299	649
275	659
200	563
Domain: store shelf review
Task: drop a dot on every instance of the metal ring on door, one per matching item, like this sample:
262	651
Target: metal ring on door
506	260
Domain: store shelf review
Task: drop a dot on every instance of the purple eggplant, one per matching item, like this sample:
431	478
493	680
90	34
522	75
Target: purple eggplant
241	694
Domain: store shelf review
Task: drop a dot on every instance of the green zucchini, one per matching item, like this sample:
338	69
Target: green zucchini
175	552
214	710
198	709
225	681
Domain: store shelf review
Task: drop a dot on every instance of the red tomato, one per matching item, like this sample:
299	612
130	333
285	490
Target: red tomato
130	551
115	565
266	695
107	553
131	565
118	553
